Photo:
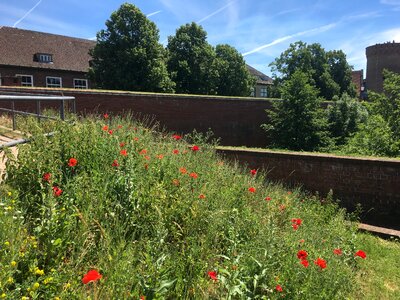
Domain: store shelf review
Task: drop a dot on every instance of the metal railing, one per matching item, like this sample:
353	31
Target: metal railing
38	99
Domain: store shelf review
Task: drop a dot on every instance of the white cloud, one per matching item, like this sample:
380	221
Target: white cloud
215	12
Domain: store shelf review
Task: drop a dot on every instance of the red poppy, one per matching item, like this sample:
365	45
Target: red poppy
176	151
115	163
160	156
252	189
302	254
183	170
92	275
57	191
213	275
146	157
279	288
282	207
143	151
361	254
253	172
268	198
297	221
337	251
176	137
305	263
193	175
105	116
105	128
119	126
123	152
201	196
142	298
301	241
110	132
320	262
122	144
135	139
72	162
195	148
46	177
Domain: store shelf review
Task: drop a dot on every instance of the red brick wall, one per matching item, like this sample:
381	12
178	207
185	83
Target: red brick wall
235	120
374	183
39	75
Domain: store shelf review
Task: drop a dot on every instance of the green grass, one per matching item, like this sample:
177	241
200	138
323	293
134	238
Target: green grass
379	277
158	220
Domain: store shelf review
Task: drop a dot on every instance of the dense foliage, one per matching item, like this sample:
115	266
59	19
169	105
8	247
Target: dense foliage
128	56
328	70
297	121
116	210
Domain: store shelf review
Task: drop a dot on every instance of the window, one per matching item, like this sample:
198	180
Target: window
80	84
253	92
26	80
263	92
54	82
43	58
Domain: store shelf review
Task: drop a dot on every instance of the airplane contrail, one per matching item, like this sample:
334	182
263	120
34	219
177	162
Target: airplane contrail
154	13
287	37
29	11
215	12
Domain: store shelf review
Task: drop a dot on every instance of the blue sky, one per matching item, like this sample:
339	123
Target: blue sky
259	29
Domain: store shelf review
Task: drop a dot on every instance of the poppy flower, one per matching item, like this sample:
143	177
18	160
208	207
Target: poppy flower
252	189
176	137
195	148
279	288
268	198
135	139
119	126
302	254
115	163
142	298
183	170
176	151
297	221
320	262
337	251
305	263
201	196
122	144
72	162
146	157
193	175
105	116
123	152
105	128
110	132
213	275
143	151
57	191
46	177
361	254
92	275
282	207
160	156
253	172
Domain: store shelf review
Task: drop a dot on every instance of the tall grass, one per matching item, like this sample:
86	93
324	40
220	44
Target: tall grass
159	219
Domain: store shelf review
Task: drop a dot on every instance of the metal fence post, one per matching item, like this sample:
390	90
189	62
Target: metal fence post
38	109
13	115
62	115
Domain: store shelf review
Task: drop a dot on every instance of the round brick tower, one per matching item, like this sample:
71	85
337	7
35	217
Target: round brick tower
379	57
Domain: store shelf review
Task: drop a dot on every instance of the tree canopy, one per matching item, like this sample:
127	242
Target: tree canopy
328	71
297	121
234	78
128	55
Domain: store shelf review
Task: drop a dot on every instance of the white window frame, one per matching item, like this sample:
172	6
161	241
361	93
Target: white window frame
45	58
264	92
52	85
78	86
25	75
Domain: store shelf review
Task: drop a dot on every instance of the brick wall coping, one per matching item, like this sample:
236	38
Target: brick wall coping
395	162
132	93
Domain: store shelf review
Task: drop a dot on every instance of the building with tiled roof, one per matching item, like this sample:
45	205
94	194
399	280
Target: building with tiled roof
32	58
262	83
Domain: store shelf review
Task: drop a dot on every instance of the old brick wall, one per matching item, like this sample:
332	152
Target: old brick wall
374	183
235	120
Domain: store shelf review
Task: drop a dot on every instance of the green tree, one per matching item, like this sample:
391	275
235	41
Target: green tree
344	118
234	77
128	56
191	62
298	122
328	71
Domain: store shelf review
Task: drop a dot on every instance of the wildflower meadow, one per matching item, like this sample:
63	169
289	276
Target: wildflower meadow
110	208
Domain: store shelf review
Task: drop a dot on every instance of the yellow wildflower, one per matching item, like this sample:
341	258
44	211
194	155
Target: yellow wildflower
6	243
13	263
3	295
9	193
35	286
10	280
48	280
39	272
